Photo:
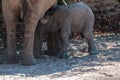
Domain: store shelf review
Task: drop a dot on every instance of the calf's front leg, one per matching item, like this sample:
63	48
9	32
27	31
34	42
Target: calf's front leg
65	33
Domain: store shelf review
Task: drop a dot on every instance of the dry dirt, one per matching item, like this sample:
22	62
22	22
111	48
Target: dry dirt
80	66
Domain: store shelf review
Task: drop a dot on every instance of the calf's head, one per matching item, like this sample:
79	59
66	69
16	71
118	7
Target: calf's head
49	17
54	18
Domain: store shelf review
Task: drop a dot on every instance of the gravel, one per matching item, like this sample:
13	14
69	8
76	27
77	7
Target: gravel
80	65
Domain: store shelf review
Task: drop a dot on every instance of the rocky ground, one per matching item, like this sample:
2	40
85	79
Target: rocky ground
80	66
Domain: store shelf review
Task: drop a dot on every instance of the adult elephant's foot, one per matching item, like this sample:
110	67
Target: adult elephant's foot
12	59
37	55
28	61
51	52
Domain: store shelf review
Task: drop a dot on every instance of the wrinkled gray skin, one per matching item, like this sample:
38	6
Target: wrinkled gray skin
35	11
77	17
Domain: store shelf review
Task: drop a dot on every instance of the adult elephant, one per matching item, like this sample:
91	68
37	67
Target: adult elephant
34	12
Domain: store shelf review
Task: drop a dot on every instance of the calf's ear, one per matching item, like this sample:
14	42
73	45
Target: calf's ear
44	20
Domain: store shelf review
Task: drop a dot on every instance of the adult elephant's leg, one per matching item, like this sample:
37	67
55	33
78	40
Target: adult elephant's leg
31	21
36	48
54	43
10	13
51	43
38	41
59	44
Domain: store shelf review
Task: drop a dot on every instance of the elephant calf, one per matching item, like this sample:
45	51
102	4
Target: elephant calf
77	17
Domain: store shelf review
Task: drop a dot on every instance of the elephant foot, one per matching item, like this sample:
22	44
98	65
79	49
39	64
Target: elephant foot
12	60
93	52
37	55
28	62
51	53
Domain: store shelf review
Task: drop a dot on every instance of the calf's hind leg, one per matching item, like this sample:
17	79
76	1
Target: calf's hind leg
91	43
88	34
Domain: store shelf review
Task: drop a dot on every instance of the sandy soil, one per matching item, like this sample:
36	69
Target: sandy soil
80	66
